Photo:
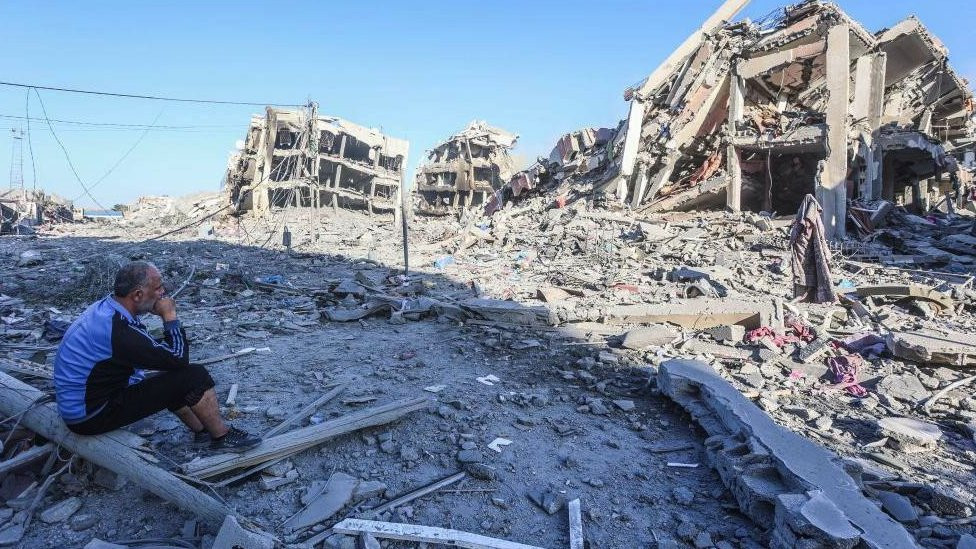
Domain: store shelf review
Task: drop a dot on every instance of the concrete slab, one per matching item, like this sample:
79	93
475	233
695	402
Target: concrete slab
695	313
931	347
742	434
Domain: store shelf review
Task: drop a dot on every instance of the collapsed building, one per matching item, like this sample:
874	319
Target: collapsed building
299	158
578	158
755	115
465	170
22	210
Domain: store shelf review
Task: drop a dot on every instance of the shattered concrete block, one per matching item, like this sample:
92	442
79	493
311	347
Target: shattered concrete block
731	333
61	511
898	506
905	387
650	336
759	460
812	517
910	435
931	347
694	314
234	536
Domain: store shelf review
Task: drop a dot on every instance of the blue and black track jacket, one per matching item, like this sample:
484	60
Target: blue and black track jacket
106	350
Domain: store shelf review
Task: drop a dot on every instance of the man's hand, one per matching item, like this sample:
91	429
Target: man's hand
165	308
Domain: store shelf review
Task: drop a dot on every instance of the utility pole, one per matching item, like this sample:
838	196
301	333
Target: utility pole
17	159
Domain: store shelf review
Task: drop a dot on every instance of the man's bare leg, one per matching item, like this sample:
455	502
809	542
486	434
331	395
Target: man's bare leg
189	419
208	415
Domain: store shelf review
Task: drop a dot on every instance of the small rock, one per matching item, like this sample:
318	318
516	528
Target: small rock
732	334
625	405
109	479
905	387
598	408
470	456
388	447
703	540
409	453
11	534
368	489
82	521
547	500
59	512
233	535
910	435
898	506
276	413
649	336
481	471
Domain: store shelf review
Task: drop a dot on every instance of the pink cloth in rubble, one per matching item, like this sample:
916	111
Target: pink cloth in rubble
797	332
845	369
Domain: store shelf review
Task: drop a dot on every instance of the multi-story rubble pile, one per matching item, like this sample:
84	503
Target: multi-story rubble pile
299	158
755	115
579	159
21	211
465	170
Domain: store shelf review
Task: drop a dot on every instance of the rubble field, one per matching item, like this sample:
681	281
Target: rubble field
546	327
743	316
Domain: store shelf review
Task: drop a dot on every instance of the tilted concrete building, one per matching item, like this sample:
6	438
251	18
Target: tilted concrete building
754	115
465	170
298	158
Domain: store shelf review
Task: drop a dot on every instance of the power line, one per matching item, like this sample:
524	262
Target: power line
124	156
117	125
153	97
65	151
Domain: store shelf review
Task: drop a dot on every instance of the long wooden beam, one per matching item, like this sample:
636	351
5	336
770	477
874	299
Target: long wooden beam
425	534
301	439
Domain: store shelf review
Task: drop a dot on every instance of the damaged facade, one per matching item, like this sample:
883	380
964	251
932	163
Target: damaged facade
756	115
578	158
298	158
21	211
465	170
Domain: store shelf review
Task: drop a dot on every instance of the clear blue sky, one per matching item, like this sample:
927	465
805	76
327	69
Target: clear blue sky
418	70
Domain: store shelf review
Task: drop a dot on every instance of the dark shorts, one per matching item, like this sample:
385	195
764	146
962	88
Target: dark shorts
168	390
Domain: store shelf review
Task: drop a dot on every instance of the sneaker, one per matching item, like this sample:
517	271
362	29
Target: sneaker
201	439
235	440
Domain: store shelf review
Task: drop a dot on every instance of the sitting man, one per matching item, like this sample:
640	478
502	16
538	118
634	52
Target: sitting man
99	377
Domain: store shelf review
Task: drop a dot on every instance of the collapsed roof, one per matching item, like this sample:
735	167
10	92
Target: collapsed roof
465	169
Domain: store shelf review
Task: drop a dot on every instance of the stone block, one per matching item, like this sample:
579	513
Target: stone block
234	536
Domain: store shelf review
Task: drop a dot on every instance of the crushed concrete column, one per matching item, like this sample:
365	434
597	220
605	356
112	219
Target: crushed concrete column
635	122
879	63
866	110
832	192
736	105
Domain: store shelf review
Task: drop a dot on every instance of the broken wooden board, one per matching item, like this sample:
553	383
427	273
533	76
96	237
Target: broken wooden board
930	347
425	534
305	411
575	525
302	439
27	368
